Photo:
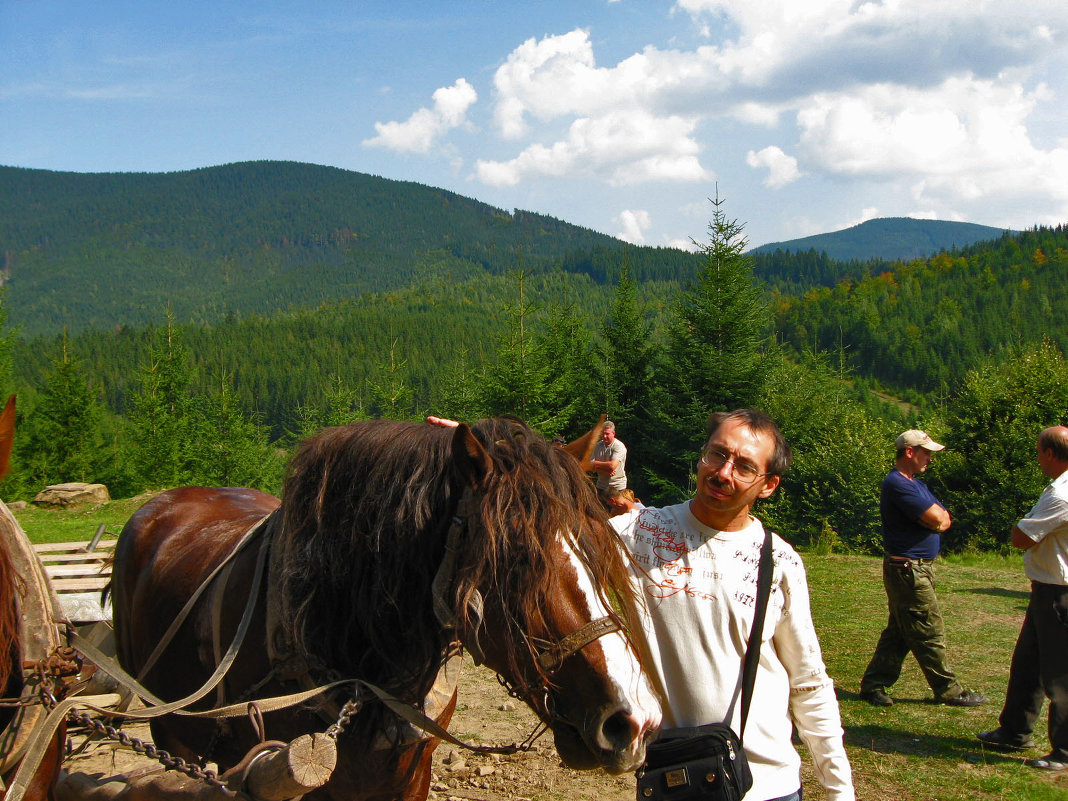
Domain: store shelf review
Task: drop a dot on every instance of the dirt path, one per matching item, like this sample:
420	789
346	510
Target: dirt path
485	715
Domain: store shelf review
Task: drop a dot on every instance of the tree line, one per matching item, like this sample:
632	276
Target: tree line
558	350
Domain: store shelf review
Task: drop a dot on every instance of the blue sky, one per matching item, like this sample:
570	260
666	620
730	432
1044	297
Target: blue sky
624	116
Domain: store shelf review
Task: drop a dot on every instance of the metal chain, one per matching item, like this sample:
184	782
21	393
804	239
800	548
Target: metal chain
147	749
344	717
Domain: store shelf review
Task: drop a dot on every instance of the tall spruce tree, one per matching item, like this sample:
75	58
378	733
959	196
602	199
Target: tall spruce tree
63	439
626	360
164	418
627	353
544	370
712	359
234	448
513	382
390	387
7	347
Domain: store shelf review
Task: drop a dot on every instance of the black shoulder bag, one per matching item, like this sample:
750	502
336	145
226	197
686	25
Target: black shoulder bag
707	763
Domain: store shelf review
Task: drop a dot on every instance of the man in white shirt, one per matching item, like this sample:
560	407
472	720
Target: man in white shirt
1040	662
695	567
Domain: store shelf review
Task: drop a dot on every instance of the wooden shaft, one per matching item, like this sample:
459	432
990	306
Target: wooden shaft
300	767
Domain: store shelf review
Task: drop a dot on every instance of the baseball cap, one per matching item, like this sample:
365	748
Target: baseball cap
916	438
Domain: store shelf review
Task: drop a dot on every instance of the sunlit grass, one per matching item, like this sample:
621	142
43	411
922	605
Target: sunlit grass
917	749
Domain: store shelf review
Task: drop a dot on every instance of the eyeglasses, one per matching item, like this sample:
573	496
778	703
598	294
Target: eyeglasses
742	471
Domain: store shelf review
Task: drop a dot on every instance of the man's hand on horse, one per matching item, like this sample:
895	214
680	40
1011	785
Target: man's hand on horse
442	421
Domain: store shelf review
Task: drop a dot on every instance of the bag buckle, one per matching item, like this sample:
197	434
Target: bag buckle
676	778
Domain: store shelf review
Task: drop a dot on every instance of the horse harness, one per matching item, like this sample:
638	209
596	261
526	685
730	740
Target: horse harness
549	659
291	663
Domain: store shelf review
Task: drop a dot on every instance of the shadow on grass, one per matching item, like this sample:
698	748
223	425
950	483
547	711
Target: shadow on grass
1000	592
889	740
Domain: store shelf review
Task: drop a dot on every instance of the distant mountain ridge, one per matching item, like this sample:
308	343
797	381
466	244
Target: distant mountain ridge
100	250
889	239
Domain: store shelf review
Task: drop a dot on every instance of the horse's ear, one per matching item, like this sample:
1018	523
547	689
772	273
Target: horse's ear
7	435
582	447
470	457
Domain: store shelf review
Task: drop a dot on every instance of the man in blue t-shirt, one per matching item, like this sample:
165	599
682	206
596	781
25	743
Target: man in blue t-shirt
913	520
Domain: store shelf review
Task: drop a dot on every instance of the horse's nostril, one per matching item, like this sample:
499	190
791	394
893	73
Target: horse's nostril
619	730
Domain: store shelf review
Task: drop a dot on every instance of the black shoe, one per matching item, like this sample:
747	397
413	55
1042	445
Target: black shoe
877	697
1049	762
998	739
965	698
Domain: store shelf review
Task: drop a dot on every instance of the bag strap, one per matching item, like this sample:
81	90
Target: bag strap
752	646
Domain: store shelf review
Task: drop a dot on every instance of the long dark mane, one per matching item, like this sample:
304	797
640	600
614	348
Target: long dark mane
11	583
10	586
366	508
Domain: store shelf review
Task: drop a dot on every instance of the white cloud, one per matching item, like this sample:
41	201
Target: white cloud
959	144
782	169
420	131
926	104
635	223
624	147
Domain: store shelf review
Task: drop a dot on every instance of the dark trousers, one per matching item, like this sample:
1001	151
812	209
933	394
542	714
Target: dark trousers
915	626
1040	669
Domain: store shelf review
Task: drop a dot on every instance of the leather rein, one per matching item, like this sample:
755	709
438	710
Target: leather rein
548	659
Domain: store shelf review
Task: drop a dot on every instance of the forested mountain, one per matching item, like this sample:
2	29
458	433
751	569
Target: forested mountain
921	325
887	239
973	337
81	251
424	335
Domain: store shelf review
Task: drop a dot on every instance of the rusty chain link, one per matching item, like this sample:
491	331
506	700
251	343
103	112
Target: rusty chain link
147	749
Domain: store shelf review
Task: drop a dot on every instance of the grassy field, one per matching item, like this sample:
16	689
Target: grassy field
916	750
80	523
912	751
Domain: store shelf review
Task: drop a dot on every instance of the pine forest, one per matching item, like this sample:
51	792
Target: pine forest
192	327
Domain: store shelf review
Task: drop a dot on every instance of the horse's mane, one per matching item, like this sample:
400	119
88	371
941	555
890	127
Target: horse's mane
10	585
365	511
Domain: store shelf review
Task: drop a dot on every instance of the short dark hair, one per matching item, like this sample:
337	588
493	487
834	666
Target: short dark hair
760	423
1055	439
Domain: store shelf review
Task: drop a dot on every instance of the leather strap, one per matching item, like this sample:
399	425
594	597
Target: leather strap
168	635
752	646
550	659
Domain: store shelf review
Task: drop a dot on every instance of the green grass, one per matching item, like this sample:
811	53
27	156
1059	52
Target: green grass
79	523
912	751
916	750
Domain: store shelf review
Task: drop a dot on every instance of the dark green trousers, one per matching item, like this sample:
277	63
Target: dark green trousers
915	626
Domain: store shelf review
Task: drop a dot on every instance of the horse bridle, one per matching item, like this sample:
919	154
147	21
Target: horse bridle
548	659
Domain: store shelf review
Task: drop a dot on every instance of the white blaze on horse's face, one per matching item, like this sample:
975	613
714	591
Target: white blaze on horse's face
619	738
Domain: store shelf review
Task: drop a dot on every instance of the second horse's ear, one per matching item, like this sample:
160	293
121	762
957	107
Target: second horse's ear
582	447
471	459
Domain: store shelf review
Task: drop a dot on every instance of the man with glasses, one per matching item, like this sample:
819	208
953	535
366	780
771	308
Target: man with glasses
913	520
695	567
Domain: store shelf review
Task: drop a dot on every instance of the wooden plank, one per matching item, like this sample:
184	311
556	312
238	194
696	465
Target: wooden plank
62	571
61	585
50	547
59	558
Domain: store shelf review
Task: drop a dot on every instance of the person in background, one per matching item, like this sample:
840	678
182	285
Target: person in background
913	520
1039	665
609	461
695	566
621	502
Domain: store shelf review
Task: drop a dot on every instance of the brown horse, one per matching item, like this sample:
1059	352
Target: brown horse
15	723
393	543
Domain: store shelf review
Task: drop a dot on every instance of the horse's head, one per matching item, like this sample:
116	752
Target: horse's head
540	593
